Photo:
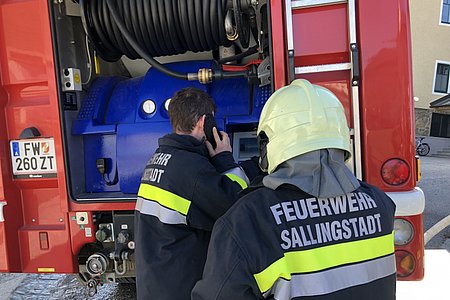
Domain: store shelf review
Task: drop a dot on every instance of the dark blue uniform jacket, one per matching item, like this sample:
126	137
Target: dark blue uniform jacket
286	244
182	193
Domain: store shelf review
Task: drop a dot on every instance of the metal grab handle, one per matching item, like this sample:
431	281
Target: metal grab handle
2	218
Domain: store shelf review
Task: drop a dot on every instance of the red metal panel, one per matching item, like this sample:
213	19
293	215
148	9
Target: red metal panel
321	35
386	101
39	207
4	266
23	31
102	206
57	259
386	88
30	90
9	242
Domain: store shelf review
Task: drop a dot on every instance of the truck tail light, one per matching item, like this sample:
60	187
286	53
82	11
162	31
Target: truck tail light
409	254
403	232
395	171
405	263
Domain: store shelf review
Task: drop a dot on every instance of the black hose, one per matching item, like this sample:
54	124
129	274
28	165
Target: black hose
138	47
159	27
235	74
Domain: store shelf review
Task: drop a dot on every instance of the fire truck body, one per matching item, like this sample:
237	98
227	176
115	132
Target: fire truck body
77	130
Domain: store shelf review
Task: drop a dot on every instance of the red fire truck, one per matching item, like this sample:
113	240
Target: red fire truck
86	86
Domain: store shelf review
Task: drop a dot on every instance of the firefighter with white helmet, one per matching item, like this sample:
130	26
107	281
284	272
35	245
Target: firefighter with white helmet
302	118
310	229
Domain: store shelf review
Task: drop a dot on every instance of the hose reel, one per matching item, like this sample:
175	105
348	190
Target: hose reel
164	27
151	28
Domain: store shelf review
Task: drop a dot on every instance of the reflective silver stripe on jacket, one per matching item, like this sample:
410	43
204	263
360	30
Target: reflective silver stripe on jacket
164	214
329	281
238	175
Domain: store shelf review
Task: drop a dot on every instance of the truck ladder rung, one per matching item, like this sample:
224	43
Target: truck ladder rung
323	68
312	3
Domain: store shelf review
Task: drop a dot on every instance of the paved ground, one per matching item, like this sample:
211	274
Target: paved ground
56	287
435	284
435	184
8	283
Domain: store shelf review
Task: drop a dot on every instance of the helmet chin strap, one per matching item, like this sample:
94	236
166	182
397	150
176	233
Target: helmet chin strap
262	141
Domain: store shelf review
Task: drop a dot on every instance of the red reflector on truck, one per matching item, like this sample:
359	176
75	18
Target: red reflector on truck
395	171
43	240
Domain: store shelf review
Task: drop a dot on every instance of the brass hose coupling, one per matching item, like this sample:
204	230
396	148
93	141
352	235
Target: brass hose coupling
203	76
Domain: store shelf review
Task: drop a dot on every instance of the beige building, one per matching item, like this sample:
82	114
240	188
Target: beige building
430	28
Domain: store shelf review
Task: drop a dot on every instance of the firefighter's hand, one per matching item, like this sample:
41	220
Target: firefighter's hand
222	144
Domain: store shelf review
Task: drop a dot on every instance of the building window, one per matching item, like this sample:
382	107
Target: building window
445	16
441	79
440	125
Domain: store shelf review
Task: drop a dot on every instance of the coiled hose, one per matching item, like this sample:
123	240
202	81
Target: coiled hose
160	27
144	28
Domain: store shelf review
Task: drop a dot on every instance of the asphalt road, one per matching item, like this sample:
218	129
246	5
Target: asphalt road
435	184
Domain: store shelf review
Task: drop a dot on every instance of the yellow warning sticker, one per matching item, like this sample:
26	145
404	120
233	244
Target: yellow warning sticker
46	270
76	78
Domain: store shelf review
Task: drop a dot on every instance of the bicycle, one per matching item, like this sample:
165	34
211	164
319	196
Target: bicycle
422	148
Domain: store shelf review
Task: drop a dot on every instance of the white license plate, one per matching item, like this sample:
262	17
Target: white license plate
33	158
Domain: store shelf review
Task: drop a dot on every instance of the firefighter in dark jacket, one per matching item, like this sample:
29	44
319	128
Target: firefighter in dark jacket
186	186
311	230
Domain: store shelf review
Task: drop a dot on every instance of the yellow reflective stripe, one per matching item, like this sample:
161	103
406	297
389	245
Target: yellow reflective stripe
165	198
323	258
46	270
237	179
